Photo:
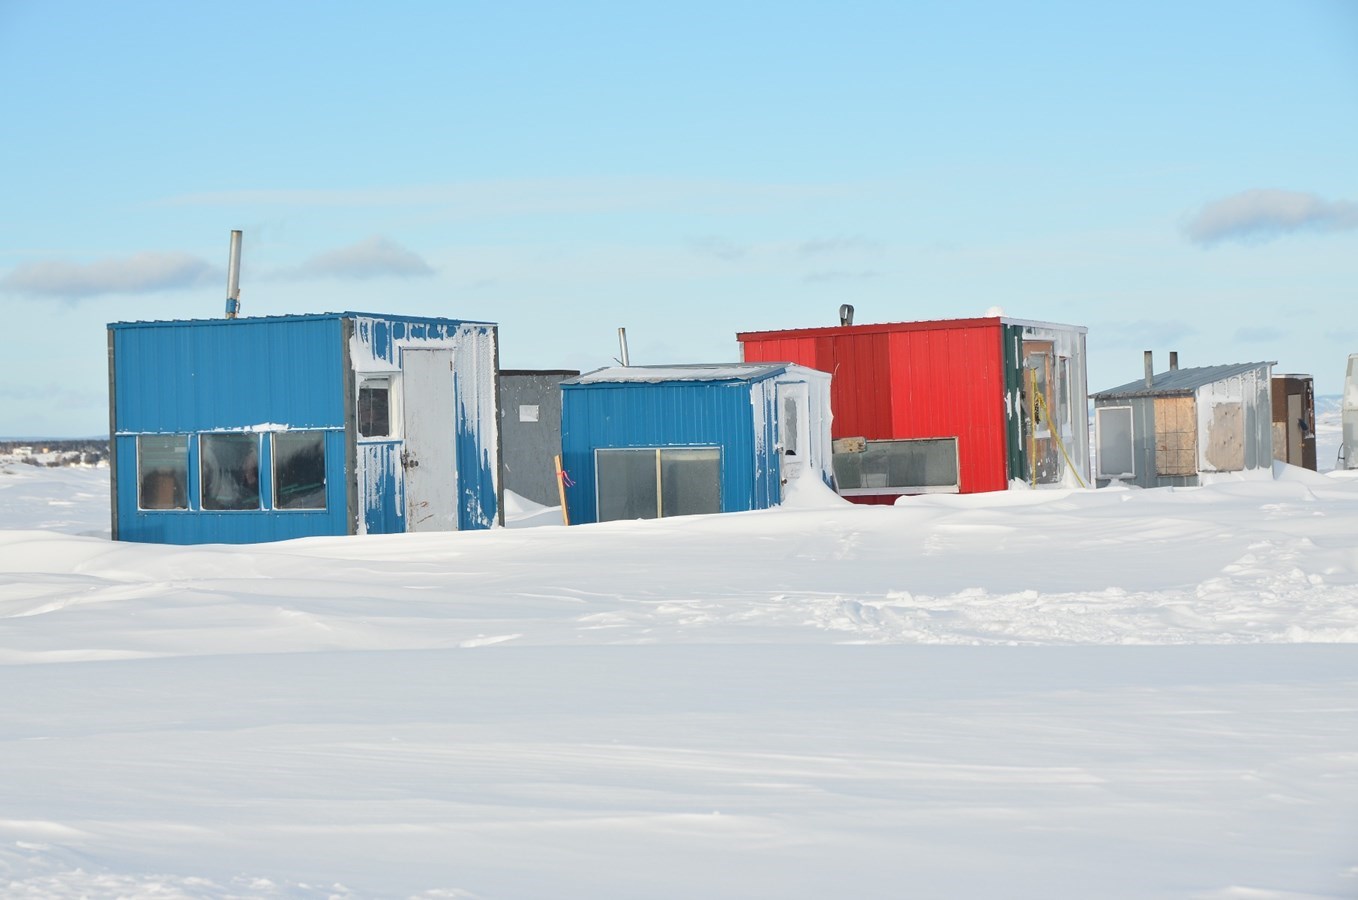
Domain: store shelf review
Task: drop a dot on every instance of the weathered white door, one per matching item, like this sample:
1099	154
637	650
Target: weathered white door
794	433
429	456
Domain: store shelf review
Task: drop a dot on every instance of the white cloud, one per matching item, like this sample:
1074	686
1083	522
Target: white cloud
1261	215
375	257
142	273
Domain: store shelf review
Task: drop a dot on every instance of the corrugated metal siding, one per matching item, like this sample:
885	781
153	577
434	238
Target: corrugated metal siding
954	388
376	347
664	414
201	376
911	383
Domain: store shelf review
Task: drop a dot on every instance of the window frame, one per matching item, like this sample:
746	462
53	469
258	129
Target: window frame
658	452
1099	457
903	490
276	480
141	475
392	380
203	479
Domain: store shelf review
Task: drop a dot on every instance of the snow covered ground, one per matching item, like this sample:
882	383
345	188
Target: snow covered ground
1045	694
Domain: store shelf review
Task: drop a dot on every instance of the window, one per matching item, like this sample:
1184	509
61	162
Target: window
299	470
230	471
162	471
374	407
653	482
899	467
1114	451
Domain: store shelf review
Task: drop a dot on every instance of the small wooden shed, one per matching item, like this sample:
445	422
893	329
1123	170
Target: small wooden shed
1173	427
238	430
643	442
954	406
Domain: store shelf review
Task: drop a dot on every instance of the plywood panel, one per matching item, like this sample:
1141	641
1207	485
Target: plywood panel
1176	436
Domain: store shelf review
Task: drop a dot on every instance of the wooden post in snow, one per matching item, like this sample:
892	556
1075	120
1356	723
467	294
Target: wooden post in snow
561	489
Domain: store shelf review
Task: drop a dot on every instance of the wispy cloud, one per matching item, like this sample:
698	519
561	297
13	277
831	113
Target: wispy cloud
837	245
721	248
1262	215
142	273
1259	335
1146	334
375	257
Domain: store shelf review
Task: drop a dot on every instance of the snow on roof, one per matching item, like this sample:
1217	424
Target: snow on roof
292	317
695	372
1180	381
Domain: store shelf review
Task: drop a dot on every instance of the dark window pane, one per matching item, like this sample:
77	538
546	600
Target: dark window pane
163	471
690	481
899	465
230	471
627	484
374	408
299	470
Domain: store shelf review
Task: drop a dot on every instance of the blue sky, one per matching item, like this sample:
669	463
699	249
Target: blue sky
1175	176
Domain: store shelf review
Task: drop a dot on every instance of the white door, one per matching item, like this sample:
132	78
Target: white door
794	435
429	456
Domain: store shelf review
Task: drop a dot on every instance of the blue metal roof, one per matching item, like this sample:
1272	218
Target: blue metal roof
1179	381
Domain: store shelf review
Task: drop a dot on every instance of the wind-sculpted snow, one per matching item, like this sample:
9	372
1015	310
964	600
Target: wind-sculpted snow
1054	694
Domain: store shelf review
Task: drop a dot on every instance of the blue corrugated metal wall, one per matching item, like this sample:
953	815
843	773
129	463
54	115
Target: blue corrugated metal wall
665	414
475	418
228	373
288	372
222	375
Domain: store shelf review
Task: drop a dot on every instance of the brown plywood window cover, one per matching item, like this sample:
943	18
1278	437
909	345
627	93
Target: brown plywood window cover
1176	436
1226	437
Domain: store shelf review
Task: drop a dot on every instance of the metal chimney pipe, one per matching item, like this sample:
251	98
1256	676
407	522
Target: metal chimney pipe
233	277
846	314
1150	368
622	344
1174	360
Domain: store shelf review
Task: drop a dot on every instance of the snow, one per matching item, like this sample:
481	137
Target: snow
1057	693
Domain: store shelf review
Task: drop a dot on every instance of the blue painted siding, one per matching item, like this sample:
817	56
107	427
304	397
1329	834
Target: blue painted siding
664	414
382	498
289	372
228	373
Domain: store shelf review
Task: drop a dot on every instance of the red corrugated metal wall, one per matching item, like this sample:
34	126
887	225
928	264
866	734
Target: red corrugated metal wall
910	380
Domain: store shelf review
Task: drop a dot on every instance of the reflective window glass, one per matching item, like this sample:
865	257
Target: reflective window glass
627	484
163	471
374	407
229	465
299	470
899	465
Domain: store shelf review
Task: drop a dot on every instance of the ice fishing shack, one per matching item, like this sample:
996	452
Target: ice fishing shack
1173	427
237	430
644	442
947	406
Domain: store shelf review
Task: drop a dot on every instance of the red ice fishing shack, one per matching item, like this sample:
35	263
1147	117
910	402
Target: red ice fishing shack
948	406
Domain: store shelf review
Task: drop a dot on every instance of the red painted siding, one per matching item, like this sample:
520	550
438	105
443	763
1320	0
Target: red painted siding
909	380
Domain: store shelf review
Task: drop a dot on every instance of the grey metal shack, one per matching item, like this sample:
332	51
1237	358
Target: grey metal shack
1171	428
530	431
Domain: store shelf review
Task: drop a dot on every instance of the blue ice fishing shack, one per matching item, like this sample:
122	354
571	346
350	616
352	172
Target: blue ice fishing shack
642	442
239	430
